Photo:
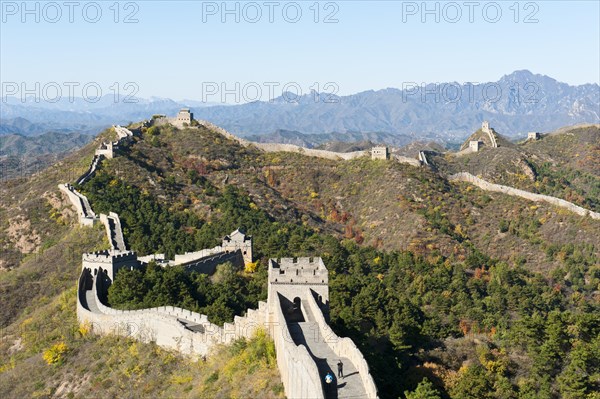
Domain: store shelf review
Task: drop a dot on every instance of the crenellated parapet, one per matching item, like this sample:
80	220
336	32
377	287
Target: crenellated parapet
289	277
172	327
298	305
109	261
299	283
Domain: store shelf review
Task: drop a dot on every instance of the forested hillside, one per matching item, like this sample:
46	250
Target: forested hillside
483	295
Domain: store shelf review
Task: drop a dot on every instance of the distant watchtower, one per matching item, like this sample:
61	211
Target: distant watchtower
238	240
474	145
533	136
184	116
380	153
106	149
485	127
290	278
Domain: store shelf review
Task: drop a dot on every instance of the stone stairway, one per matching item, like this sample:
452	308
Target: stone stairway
307	333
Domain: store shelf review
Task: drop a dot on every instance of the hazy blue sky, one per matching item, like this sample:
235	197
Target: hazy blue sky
177	48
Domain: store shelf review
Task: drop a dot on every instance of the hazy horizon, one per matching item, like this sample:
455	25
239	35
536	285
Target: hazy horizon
179	50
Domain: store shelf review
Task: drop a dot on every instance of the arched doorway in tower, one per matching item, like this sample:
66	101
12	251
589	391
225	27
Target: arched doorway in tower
296	314
292	310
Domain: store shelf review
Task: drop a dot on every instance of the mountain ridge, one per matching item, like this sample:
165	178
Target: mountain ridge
517	103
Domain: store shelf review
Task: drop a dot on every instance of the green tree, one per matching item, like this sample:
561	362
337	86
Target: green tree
425	390
128	289
473	384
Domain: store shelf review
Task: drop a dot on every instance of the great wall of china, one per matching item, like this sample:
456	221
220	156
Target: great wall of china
485	127
485	185
294	315
276	147
297	308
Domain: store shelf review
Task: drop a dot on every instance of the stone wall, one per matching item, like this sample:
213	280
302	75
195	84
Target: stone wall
406	160
224	132
192	256
171	327
192	333
299	373
85	214
485	127
150	325
484	185
114	232
278	147
343	347
122	132
208	265
335	156
92	169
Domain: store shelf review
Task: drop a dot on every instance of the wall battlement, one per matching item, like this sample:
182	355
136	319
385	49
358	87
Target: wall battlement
298	271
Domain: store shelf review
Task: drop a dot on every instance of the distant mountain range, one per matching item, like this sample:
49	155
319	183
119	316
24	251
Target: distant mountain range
318	140
47	143
21	155
515	104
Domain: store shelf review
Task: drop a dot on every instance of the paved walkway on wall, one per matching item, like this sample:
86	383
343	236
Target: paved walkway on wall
115	234
90	300
91	170
307	333
91	304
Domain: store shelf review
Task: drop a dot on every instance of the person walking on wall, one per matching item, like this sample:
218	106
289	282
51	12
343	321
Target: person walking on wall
340	369
328	382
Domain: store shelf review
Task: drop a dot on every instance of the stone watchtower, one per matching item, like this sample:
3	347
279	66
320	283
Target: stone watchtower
533	136
380	153
106	264
184	116
106	149
474	145
293	279
238	241
485	127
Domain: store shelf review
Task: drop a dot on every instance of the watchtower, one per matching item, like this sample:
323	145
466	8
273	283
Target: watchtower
485	127
109	261
474	145
380	153
184	116
106	149
292	279
238	240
